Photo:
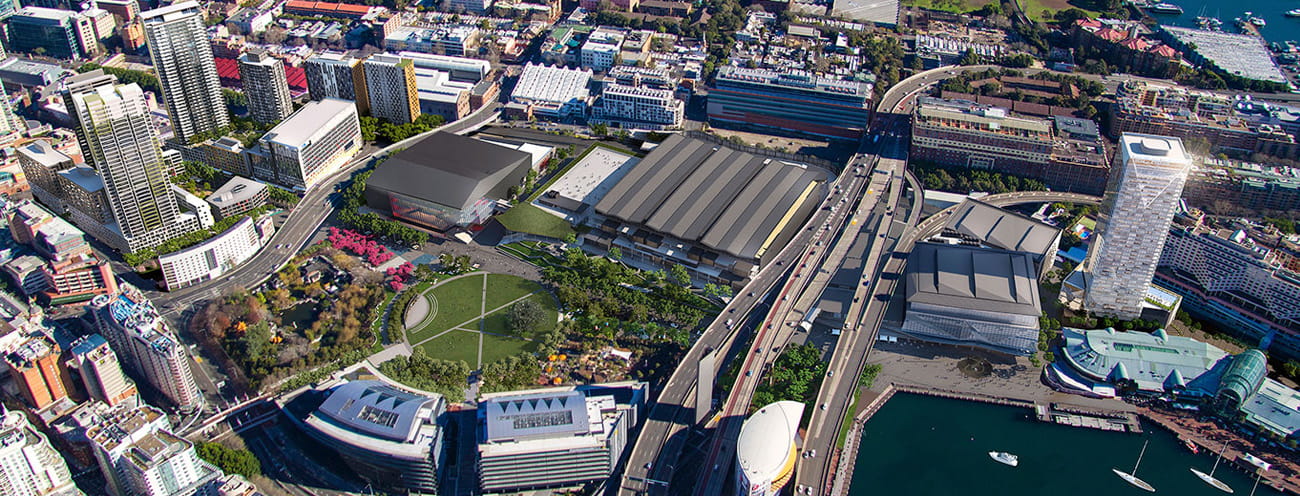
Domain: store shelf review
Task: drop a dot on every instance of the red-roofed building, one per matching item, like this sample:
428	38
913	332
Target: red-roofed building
1088	23
327	9
1125	45
1136	44
297	77
228	72
1166	51
1110	35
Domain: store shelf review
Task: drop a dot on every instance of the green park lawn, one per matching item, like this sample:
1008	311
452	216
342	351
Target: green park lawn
461	301
505	288
496	322
498	347
452	303
455	345
954	6
527	218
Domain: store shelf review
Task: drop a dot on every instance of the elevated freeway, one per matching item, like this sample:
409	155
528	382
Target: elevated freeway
655	455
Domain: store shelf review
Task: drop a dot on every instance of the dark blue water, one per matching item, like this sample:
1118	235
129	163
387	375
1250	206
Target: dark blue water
1279	28
922	446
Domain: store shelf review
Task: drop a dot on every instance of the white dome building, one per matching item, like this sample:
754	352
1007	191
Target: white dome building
768	448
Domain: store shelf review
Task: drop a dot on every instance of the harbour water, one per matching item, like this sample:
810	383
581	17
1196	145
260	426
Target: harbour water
925	446
1279	28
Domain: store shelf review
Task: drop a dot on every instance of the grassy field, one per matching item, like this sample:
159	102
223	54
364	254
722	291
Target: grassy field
530	252
954	6
453	303
1044	10
455	345
527	218
505	288
496	321
498	347
461	301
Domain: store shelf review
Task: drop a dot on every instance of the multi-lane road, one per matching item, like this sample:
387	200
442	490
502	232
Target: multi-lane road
654	457
652	461
800	294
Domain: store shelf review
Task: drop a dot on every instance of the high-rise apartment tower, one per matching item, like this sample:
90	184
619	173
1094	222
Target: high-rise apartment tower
1146	184
182	57
122	145
266	87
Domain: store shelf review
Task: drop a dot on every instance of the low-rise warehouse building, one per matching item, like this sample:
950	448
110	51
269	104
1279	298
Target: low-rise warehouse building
719	212
237	196
446	180
979	223
972	296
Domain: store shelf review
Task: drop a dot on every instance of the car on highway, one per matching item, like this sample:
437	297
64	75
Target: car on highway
749	373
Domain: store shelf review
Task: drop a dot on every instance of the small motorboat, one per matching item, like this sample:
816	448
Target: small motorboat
1005	458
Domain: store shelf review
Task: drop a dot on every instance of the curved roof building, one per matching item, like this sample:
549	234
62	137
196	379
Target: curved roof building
1242	379
390	436
767	449
1154	362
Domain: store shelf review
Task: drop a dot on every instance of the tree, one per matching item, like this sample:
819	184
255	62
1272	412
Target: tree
570	238
525	316
242	462
1067	17
599	129
680	276
615	253
970	58
369	127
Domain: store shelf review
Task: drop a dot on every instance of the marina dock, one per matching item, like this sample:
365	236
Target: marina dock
1077	417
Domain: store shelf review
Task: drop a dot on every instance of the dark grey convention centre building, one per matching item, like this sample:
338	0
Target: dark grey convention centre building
720	212
973	296
446	181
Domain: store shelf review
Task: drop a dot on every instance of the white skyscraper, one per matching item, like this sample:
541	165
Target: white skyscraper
1140	203
266	86
29	466
147	346
182	56
121	143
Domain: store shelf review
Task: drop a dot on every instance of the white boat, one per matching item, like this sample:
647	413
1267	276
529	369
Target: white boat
1293	13
1258	21
1005	458
1166	8
1209	478
1133	479
1254	460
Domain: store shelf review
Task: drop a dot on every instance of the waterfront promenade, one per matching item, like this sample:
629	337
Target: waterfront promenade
1211	436
935	367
